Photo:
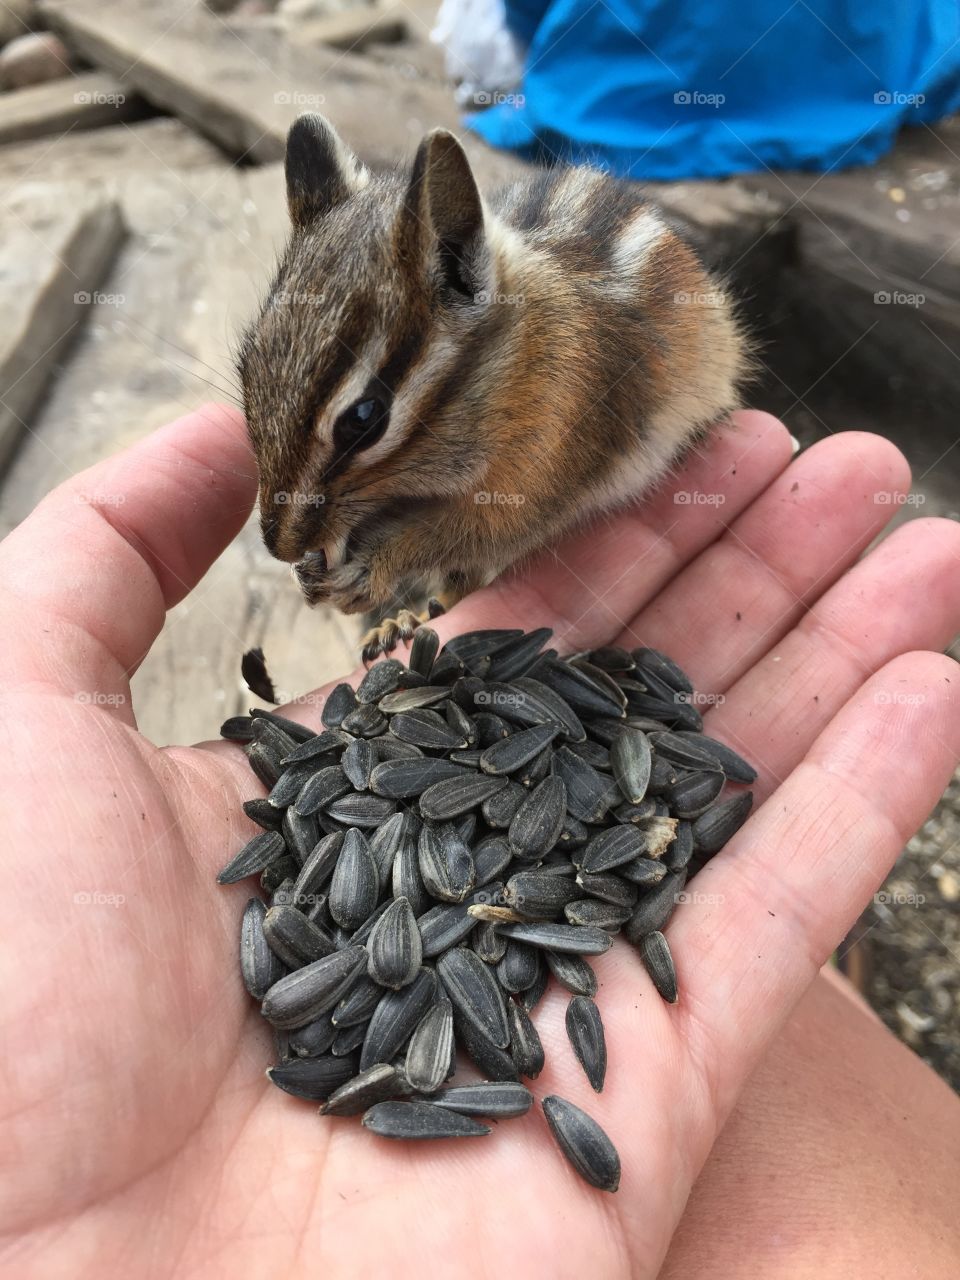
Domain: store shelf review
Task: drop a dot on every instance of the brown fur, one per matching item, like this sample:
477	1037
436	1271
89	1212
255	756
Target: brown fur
532	349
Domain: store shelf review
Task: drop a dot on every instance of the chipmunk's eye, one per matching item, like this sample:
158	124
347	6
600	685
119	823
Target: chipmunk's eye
361	425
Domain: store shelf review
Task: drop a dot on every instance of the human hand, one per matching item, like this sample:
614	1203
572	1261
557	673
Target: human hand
140	1136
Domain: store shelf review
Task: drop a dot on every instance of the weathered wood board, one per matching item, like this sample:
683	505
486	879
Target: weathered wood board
53	258
244	87
200	249
160	145
88	101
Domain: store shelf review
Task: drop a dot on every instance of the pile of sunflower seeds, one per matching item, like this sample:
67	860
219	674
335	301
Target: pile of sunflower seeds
464	828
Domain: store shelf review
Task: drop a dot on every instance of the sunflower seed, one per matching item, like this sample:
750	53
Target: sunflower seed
386	840
419	1120
355	886
655	907
713	829
572	972
446	864
567	938
526	1047
583	694
382	678
609	887
474	993
734	767
631	762
396	1017
364	722
428	729
584	1143
539	896
359	936
533	995
537	823
313	1039
494	1063
460	722
391	748
259	965
407	881
330	742
423	650
600	915
487	942
274	876
263	813
611	658
443	926
519	968
403	700
320	790
294	938
268	734
657	663
361	809
394	946
357	1006
237	729
301	996
490	728
430	1053
594	753
347	1041
644	872
635	812
401	779
301	834
499	1100
693	794
341	700
446	668
499	809
585	1030
589	793
456	796
678	854
515	657
253	857
318	867
314	1078
480	644
612	848
602	679
357	763
574	834
655	953
376	1084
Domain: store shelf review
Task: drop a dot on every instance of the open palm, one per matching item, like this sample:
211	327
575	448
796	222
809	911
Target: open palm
140	1136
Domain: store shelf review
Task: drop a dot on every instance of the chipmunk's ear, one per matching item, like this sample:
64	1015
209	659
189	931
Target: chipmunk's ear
445	213
321	169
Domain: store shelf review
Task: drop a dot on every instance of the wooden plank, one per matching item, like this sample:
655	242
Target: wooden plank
244	87
153	145
201	246
353	30
88	101
53	256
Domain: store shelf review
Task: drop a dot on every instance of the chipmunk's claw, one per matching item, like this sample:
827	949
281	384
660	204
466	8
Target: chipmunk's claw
435	608
385	637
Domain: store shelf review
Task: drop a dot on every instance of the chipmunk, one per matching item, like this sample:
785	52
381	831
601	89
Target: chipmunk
439	384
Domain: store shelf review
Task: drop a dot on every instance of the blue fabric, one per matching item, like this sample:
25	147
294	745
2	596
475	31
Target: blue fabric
668	89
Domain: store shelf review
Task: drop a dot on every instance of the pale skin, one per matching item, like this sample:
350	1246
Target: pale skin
140	1137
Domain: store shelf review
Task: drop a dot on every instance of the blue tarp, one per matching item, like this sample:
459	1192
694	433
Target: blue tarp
668	89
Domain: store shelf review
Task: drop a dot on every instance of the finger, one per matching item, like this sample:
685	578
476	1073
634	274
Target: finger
732	604
86	579
904	595
767	911
592	583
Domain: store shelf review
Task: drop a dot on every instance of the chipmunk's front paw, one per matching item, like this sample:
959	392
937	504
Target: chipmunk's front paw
385	637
